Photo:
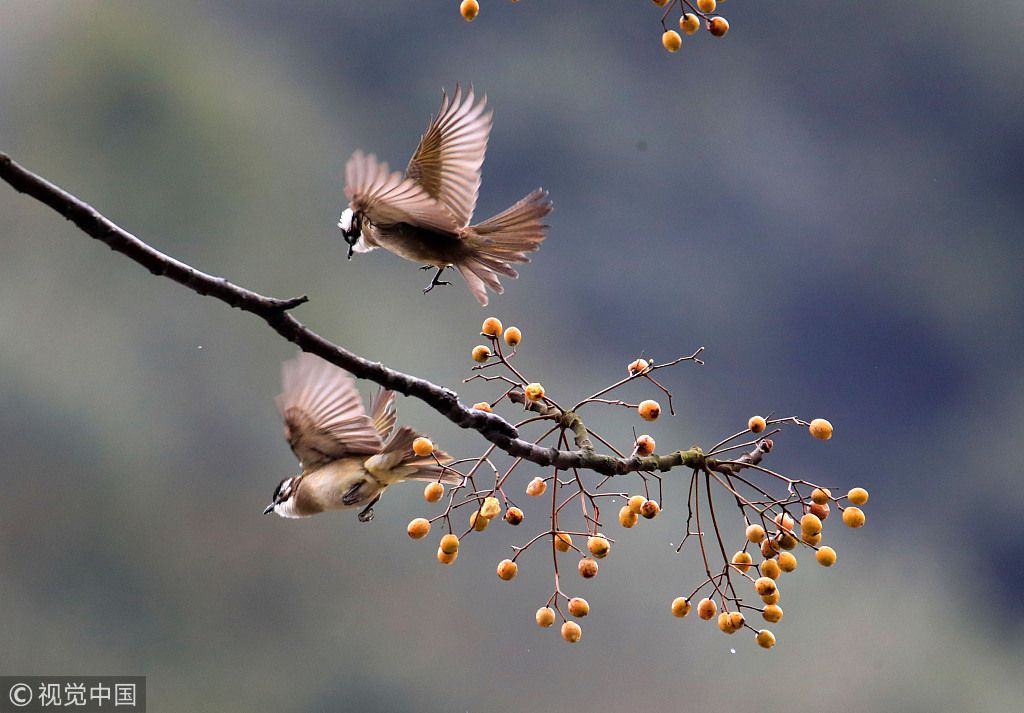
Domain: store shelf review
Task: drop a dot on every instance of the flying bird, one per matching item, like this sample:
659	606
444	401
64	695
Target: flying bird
424	214
346	456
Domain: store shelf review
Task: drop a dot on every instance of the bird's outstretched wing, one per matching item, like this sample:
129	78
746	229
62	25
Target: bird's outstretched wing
448	159
382	411
323	414
386	196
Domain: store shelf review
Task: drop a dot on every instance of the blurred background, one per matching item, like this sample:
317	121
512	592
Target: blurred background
829	199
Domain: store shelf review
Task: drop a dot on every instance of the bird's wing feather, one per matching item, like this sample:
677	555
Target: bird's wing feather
389	197
449	156
382	411
323	414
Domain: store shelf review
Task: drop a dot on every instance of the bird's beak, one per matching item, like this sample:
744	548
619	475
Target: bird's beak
269	509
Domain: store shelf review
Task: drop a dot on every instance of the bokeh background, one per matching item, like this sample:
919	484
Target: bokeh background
830	200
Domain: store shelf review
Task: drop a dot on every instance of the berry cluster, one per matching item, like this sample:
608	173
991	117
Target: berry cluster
691	17
572	515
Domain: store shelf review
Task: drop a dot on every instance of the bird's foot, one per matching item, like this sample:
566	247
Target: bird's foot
436	279
367	513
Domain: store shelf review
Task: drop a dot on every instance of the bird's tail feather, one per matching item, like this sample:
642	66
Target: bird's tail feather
397	461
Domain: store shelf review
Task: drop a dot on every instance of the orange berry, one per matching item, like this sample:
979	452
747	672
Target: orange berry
598	546
784	521
636	503
718	26
742	560
507	569
765	639
563	541
446	557
644	445
770	548
680	607
639	366
689	23
650	509
513	516
478	522
737	620
545	617
534	391
858	496
418	528
661	3
757	424
627	518
765	585
571	632
449	544
649	410
810	524
772	613
491	508
725	623
788	541
513	336
772	598
469	9
770	568
755	534
706	609
671	41
483	406
433	492
821	496
481	354
821	511
813	540
422	447
491	328
826	556
579	607
853	517
820	429
536	487
787	562
587	568
706	5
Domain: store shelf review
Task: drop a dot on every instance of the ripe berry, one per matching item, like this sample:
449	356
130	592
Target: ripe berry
639	366
422	447
513	516
821	511
644	445
649	410
810	524
787	562
513	336
770	548
661	3
571	632
765	585
718	26
507	569
469	10
770	568
587	568
650	509
706	609
418	528
725	623
737	620
671	40
858	496
627	518
784	521
706	5
813	540
483	406
478	522
545	617
826	556
446	557
563	541
757	424
579	607
534	391
491	508
680	607
449	544
742	560
755	534
853	517
536	487
765	639
433	492
481	353
788	541
820	429
689	23
491	328
772	613
636	502
772	598
821	496
598	546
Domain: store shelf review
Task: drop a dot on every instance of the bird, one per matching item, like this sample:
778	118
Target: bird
424	215
346	456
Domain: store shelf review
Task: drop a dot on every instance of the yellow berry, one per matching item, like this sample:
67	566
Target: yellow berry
644	445
563	541
478	522
491	508
737	620
513	336
820	429
534	391
689	23
469	10
422	447
481	354
650	509
772	613
853	517
813	540
545	617
483	406
579	607
507	569
784	521
649	410
771	568
587	568
661	3
639	366
671	40
571	632
418	528
810	524
821	496
446	557
718	26
433	492
765	585
756	424
772	598
536	487
787	562
765	639
755	534
770	548
788	541
598	546
706	5
826	556
636	503
706	609
449	544
742	560
627	518
513	516
680	607
858	496
725	623
491	328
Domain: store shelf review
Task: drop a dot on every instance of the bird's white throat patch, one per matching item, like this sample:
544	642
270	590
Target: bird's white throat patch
287	509
345	221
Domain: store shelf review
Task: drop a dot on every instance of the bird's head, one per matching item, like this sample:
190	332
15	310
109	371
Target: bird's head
283	501
351	230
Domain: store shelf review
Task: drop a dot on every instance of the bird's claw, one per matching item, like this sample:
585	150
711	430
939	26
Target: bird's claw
436	279
366	514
